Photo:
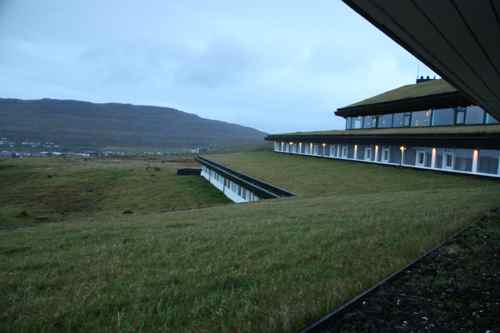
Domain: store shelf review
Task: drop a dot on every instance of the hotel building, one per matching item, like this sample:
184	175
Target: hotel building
427	125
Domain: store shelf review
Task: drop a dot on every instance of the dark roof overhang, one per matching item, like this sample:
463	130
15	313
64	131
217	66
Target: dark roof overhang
458	39
434	138
453	99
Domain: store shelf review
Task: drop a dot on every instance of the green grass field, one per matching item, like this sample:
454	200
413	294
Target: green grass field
270	266
313	177
56	189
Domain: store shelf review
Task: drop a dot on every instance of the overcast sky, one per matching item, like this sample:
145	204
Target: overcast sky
274	65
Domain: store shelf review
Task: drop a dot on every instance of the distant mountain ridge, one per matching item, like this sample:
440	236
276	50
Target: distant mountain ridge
78	123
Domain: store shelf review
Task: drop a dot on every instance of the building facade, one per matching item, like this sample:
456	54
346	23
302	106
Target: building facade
427	125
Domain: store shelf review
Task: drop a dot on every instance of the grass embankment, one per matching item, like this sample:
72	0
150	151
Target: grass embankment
312	177
56	189
268	266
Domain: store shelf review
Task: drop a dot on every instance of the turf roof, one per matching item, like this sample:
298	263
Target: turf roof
427	88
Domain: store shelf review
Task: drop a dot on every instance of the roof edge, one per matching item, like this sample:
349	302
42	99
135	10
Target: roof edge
450	99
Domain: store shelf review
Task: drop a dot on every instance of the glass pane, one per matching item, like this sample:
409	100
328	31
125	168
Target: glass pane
421	118
348	123
357	122
443	117
369	122
406	119
488	161
395	154
490	119
398	120
410	156
460	116
385	121
463	159
475	115
448	160
421	157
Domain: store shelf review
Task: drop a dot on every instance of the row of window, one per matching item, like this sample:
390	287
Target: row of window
229	185
484	161
471	115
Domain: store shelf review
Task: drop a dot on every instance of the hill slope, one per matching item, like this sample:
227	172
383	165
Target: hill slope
76	123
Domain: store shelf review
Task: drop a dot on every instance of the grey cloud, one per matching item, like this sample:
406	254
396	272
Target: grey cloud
278	66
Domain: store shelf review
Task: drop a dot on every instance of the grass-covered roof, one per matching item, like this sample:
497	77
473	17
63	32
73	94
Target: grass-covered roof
412	97
432	87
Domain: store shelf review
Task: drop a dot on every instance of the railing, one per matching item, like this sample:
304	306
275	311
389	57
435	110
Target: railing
262	189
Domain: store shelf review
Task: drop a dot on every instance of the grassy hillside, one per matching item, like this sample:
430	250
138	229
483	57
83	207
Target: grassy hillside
57	189
76	123
270	266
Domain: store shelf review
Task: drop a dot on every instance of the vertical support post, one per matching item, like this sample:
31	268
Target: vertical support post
402	155
433	158
498	170
355	152
376	153
475	159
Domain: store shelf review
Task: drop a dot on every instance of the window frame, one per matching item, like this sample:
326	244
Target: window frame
344	152
384	150
445	160
407	116
365	157
390	115
417	160
463	111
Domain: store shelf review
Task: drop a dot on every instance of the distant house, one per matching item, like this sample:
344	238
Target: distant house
427	125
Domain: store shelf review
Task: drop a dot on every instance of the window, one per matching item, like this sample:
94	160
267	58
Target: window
421	158
463	159
475	115
490	119
368	154
348	123
357	122
443	117
402	119
421	118
344	151
407	119
459	116
448	160
332	150
385	121
489	161
370	122
386	154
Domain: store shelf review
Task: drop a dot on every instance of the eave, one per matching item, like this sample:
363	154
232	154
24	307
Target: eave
453	99
458	39
482	137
